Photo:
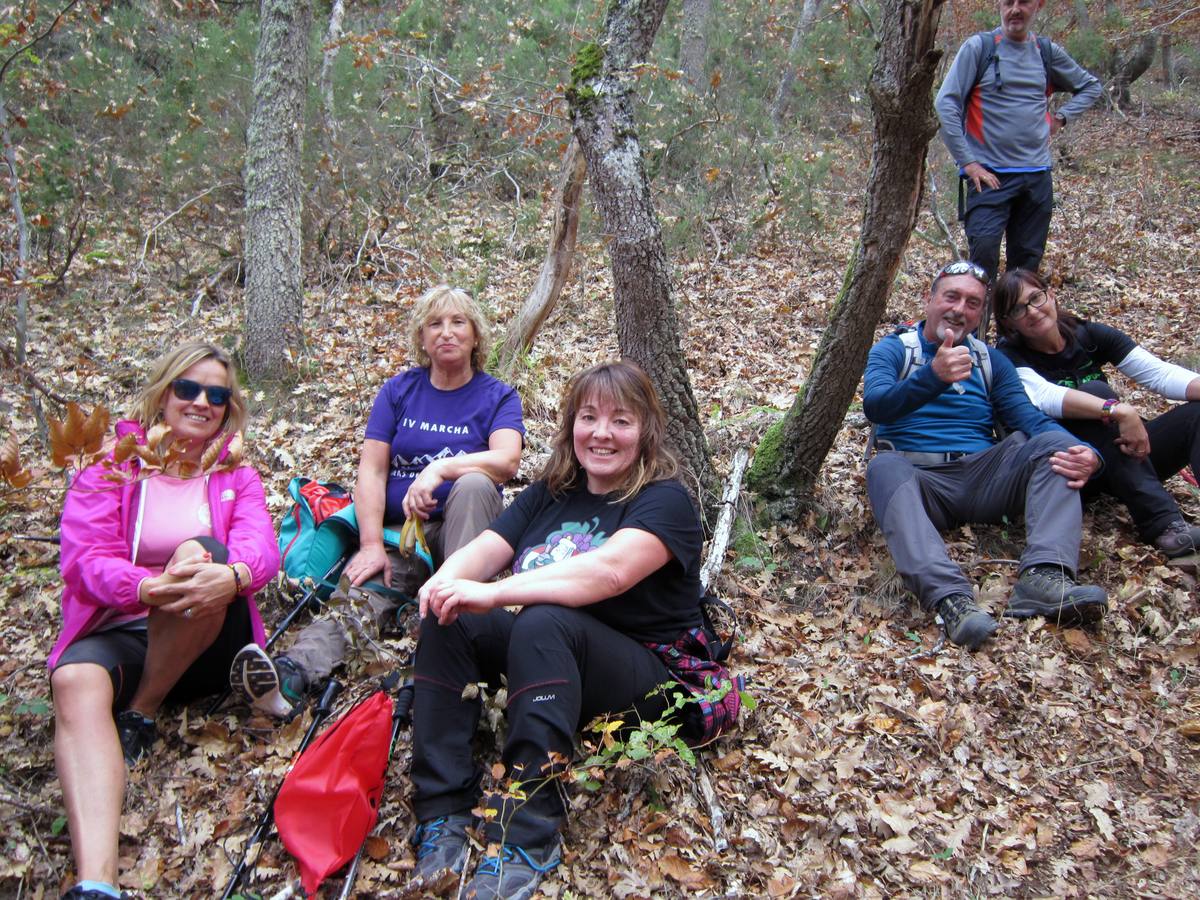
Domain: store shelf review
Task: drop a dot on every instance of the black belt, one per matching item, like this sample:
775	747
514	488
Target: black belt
918	458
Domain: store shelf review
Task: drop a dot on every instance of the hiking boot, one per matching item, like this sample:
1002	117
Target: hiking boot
137	734
1179	539
442	847
274	687
966	624
1047	590
511	872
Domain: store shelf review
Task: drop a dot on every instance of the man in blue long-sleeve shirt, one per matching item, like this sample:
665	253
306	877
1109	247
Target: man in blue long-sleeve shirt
998	129
940	465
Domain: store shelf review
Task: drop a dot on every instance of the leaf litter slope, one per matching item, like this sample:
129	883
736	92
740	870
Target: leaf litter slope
1050	762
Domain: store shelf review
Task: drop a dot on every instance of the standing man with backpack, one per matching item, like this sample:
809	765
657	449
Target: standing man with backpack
996	123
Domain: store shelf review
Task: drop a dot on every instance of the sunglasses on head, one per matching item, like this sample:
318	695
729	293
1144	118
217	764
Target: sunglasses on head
187	390
964	267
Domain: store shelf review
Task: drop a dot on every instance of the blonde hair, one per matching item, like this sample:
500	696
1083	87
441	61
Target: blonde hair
442	299
147	408
626	385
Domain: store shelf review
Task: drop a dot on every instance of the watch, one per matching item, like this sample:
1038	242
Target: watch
1062	120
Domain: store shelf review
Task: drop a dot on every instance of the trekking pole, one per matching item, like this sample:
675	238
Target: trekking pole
302	604
402	715
320	714
43	538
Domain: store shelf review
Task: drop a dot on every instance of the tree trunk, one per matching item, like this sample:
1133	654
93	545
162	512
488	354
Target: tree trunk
1168	61
791	453
1132	66
693	42
557	266
783	94
601	99
274	186
328	57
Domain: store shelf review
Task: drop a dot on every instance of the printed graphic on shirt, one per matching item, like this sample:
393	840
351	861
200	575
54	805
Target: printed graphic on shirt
411	468
571	539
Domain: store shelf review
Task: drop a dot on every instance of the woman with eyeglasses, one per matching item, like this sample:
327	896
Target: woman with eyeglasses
164	543
1061	360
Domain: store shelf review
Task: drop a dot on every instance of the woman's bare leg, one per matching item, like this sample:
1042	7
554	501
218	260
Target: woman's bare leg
91	767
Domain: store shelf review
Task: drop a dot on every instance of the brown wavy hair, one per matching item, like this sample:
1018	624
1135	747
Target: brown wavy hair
1007	294
626	385
441	299
147	407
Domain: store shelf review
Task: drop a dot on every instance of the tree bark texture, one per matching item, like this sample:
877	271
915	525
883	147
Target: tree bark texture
783	94
1131	66
693	41
790	455
568	200
329	53
601	98
1168	61
274	189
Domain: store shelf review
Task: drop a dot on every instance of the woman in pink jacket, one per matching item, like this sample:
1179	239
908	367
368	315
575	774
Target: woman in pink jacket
159	570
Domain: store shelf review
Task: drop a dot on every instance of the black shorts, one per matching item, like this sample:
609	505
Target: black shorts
122	652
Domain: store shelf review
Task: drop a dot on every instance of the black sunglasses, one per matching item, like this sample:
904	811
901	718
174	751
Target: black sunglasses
187	390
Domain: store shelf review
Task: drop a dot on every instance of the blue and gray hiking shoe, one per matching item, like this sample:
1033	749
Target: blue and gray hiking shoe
966	624
511	872
442	847
275	687
1048	590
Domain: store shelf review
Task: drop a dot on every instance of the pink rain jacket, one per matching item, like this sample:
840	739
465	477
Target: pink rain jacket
98	523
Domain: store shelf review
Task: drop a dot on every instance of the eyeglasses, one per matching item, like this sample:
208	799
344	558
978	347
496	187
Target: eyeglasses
187	390
1036	301
964	267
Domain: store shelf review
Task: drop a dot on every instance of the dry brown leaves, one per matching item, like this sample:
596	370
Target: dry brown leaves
1050	762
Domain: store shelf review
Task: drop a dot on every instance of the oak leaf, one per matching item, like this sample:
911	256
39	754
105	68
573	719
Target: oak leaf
11	469
77	438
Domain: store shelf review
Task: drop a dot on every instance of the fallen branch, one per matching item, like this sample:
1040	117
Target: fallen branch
211	283
720	540
708	573
149	234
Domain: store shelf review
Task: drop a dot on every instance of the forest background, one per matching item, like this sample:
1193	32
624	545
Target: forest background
877	762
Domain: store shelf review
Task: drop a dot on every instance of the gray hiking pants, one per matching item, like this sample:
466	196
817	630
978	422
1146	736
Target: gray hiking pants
470	508
913	503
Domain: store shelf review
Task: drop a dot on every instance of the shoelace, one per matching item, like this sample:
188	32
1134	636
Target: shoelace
430	834
957	605
508	853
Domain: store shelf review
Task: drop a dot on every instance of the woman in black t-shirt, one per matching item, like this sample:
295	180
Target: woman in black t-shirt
1060	359
604	552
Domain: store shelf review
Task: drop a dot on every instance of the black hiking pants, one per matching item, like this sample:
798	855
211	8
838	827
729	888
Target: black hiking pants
1174	443
564	668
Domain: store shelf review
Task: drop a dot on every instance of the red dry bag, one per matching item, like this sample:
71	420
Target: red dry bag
329	801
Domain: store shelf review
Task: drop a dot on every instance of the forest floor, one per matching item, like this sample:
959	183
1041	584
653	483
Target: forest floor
878	760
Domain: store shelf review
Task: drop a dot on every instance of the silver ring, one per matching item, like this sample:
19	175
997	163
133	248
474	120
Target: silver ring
188	613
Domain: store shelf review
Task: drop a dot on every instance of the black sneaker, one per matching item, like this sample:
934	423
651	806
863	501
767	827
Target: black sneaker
275	687
1047	590
1179	539
442	847
137	734
511	872
966	624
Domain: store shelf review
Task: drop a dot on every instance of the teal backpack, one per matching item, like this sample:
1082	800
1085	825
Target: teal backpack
320	533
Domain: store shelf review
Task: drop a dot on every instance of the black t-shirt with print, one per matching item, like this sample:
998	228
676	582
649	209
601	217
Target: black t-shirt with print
543	529
1080	361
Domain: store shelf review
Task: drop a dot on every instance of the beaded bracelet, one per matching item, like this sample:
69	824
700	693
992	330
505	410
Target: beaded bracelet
1106	410
237	580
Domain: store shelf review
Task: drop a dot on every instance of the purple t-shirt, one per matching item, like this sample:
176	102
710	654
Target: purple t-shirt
422	423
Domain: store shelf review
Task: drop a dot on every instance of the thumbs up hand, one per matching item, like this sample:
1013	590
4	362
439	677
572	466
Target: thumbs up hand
951	364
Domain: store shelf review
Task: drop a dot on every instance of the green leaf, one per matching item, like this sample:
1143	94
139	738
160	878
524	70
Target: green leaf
57	826
944	854
913	636
748	701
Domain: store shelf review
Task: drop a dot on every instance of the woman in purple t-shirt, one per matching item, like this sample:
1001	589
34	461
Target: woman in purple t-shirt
441	439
